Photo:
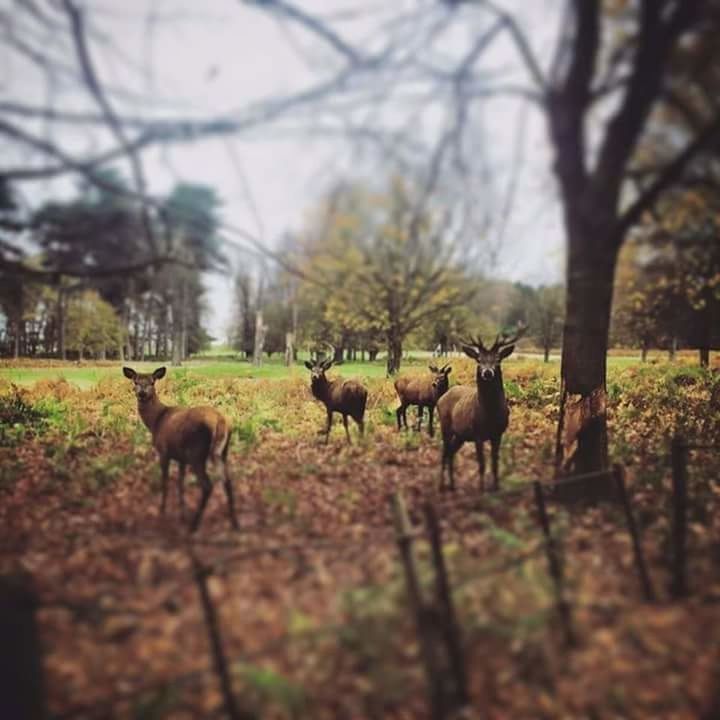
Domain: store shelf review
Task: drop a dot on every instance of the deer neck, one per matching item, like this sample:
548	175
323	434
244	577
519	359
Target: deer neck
491	393
321	389
151	412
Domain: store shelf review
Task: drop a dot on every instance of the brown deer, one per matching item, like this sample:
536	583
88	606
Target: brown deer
348	397
190	436
423	392
477	414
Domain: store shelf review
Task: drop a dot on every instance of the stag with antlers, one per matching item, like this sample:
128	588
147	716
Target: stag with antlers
348	397
477	414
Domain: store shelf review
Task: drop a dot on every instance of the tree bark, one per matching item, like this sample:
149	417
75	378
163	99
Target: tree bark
394	357
16	340
582	443
289	349
704	356
259	338
62	351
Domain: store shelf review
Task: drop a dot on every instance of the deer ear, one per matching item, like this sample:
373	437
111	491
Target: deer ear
159	373
328	364
308	365
470	352
447	369
129	373
432	368
506	351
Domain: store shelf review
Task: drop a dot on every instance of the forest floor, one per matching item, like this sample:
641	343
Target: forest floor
310	593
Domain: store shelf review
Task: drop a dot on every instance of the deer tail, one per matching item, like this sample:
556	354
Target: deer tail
220	440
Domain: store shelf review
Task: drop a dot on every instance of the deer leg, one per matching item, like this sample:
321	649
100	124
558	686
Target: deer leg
480	453
229	494
451	464
181	489
361	426
431	429
329	425
494	458
443	464
345	425
420	417
165	470
398	414
206	487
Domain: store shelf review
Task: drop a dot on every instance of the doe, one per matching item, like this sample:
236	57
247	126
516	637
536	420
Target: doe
190	436
423	392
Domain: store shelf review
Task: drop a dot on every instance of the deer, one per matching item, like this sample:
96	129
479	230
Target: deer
190	436
347	397
480	413
423	392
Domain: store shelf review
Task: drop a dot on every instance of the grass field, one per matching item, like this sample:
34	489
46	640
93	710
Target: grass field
310	593
88	374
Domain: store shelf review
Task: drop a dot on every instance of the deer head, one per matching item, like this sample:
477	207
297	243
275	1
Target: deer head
440	381
318	368
488	359
144	383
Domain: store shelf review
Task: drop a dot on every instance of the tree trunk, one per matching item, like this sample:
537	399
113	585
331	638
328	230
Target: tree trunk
62	351
673	348
643	353
289	349
704	356
547	353
394	358
16	340
582	443
259	338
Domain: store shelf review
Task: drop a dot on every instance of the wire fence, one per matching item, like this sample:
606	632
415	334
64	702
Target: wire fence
436	624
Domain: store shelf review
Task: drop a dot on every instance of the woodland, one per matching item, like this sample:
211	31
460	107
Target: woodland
583	582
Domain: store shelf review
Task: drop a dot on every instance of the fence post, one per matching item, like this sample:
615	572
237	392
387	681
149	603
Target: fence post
554	565
678	454
22	690
619	473
434	676
219	659
450	626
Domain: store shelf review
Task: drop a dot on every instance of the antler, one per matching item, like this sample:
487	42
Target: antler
474	342
503	339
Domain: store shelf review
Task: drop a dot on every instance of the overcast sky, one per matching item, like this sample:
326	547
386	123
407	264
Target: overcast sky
200	59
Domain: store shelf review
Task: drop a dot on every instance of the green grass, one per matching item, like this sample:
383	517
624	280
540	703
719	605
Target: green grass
86	376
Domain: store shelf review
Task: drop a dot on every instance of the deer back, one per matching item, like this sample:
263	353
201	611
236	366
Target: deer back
191	435
415	390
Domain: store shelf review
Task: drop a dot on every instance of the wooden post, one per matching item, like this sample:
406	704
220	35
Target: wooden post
450	626
434	676
619	473
554	566
22	691
678	584
219	659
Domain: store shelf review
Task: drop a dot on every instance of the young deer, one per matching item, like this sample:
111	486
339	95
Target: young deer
190	436
477	413
348	397
423	392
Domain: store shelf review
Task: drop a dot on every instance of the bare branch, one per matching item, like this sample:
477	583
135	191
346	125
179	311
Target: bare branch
667	178
312	24
93	83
